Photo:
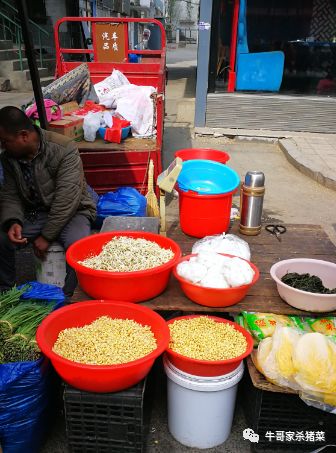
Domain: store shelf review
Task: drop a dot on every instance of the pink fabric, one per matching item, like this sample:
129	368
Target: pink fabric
31	111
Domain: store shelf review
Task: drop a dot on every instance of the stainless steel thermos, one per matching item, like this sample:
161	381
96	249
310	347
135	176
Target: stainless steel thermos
251	203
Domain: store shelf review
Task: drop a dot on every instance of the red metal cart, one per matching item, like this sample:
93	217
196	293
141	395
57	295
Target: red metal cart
111	165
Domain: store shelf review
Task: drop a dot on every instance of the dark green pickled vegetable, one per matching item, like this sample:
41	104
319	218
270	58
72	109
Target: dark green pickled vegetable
306	282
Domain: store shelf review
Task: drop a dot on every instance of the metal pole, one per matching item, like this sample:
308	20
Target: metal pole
34	75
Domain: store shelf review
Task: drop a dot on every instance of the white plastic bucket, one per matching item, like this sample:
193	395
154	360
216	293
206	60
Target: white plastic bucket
52	270
200	409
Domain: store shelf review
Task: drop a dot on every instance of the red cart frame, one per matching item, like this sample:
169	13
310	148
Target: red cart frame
108	166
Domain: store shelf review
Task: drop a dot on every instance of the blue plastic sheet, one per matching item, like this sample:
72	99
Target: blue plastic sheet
125	201
25	392
43	291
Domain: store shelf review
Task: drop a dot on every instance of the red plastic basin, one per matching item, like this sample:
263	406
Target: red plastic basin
100	378
214	297
128	286
203	153
209	367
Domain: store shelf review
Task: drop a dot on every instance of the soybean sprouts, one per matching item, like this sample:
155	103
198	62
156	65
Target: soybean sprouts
106	341
203	338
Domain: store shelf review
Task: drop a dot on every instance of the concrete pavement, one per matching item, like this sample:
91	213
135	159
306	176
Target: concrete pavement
312	154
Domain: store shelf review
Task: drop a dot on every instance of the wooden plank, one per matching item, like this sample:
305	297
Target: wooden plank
130	144
174	300
305	240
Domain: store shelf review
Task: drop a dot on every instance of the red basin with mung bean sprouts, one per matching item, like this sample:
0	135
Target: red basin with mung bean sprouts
135	286
209	368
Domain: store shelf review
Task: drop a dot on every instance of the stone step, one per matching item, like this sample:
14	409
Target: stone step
20	82
7	67
46	63
43	72
10	54
5	44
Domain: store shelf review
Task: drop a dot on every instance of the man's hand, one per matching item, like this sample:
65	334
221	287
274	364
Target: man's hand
41	246
15	234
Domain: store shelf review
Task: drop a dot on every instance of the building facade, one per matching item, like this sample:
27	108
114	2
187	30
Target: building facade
269	64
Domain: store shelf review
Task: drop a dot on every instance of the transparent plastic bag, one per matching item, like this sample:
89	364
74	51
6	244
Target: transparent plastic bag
91	125
93	121
224	243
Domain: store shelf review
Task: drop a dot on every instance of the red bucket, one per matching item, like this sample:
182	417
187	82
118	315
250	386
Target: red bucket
203	153
204	215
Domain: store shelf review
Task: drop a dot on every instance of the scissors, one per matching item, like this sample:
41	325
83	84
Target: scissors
277	230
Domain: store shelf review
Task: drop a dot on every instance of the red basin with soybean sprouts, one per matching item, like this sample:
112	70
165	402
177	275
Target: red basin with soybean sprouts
136	286
209	367
101	378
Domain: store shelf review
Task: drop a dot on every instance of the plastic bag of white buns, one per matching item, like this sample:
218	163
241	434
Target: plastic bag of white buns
224	243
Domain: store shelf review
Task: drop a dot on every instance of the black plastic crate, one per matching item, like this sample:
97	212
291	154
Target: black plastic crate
283	412
107	422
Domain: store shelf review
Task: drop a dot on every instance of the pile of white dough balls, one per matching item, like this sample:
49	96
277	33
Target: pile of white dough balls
213	270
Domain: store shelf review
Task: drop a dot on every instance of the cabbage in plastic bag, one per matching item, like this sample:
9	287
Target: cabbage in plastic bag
315	361
275	356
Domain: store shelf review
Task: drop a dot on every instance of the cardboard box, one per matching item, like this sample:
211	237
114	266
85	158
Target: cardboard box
71	126
69	107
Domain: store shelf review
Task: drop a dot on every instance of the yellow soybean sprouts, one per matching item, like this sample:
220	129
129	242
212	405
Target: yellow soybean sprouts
106	341
205	339
125	254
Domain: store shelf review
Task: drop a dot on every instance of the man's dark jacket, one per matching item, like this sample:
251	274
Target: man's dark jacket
59	178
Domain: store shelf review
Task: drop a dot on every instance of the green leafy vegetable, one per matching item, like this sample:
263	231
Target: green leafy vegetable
306	282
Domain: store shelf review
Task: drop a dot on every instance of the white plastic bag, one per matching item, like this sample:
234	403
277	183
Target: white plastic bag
191	271
125	91
105	88
138	108
212	270
224	243
238	272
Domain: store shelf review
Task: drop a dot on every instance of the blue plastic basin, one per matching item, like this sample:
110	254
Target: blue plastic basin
207	177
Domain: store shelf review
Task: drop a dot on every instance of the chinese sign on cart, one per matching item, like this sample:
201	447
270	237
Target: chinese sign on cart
110	42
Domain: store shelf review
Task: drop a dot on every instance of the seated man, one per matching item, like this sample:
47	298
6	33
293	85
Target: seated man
44	197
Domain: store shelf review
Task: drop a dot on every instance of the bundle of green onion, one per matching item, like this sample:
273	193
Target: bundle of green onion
11	298
18	324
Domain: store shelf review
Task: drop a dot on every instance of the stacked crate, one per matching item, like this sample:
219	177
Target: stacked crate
107	422
284	422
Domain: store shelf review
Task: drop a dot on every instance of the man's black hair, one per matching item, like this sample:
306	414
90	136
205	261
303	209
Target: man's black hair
13	120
